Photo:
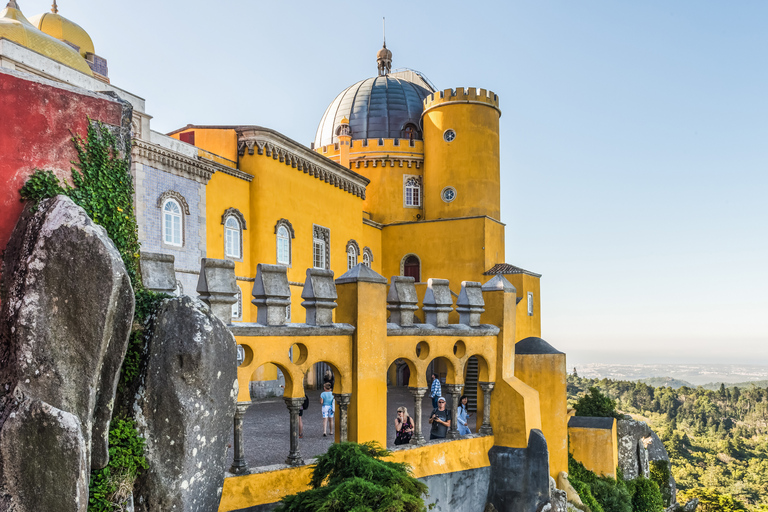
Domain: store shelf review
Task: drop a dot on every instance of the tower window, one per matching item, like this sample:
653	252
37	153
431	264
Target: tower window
410	132
237	307
172	225
283	246
530	303
412	192
449	135
448	194
233	237
367	257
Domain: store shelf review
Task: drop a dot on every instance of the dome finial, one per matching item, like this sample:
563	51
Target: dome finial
384	56
12	5
54	8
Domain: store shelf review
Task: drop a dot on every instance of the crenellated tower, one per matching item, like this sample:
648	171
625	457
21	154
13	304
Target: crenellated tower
461	154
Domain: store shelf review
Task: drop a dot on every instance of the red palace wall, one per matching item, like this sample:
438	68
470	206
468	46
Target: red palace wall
37	120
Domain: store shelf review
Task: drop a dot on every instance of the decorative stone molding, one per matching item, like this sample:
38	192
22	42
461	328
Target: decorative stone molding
235	213
353	243
172	194
288	226
369	252
198	169
410	163
261	141
157	272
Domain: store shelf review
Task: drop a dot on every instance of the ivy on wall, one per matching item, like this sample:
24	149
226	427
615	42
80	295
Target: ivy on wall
103	187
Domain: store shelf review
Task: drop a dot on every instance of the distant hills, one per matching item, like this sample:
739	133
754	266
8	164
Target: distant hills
691	375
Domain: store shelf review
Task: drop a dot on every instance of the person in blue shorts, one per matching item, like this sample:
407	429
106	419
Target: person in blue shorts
326	399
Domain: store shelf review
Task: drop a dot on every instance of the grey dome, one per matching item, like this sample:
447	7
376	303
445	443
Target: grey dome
377	108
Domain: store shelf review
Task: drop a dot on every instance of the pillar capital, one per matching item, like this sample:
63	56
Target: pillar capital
454	389
418	392
217	287
157	273
438	302
319	296
342	398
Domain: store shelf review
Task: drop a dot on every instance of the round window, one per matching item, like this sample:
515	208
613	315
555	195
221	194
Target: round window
449	135
448	194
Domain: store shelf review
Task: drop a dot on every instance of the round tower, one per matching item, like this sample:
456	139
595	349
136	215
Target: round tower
461	154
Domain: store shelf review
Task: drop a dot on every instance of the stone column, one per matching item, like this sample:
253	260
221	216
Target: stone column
294	456
455	392
239	466
418	398
486	428
343	400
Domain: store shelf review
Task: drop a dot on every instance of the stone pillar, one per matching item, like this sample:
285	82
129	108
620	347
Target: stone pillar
402	300
455	392
271	294
217	287
157	272
239	466
319	296
362	298
438	302
486	428
294	456
343	400
418	398
470	303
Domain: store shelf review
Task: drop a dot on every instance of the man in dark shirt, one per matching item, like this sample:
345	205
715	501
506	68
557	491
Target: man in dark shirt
440	419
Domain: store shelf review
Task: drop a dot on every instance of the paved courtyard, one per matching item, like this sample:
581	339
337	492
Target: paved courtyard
266	427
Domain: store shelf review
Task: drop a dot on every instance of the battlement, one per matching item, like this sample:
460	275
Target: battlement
462	95
358	147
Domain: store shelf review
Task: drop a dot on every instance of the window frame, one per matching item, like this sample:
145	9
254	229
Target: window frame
530	304
238	238
164	230
238	304
321	236
416	190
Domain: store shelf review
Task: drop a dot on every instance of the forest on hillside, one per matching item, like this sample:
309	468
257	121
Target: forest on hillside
717	439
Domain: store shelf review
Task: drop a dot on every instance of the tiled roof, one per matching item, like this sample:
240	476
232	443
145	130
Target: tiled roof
506	268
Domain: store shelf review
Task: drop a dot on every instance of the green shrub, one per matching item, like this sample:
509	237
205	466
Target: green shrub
110	487
596	404
41	185
612	495
660	473
353	477
646	496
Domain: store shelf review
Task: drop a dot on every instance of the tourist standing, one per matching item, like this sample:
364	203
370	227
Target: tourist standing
440	419
462	415
436	390
326	399
403	427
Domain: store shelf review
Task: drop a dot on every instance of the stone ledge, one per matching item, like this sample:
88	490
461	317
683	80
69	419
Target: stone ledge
255	329
449	330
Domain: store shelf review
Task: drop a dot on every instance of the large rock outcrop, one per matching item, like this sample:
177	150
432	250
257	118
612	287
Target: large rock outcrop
185	407
638	447
67	308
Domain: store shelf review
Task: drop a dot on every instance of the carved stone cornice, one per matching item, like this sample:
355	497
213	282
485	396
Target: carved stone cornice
262	141
387	161
198	169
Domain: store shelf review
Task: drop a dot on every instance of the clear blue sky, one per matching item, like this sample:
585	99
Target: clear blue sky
634	137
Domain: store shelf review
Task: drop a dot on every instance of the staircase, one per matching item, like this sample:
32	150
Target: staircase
470	384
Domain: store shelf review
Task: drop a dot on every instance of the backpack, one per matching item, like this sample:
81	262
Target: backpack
305	405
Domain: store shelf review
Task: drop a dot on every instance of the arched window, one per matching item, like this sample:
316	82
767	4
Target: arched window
412	267
283	236
283	246
412	192
237	307
367	257
410	132
353	252
172	225
233	237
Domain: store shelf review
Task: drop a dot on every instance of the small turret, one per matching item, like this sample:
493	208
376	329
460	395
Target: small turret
344	135
384	60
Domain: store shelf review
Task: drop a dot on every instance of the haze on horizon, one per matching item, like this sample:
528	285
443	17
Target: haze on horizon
634	137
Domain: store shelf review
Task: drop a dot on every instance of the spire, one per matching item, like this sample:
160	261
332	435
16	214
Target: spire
384	56
12	5
54	8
